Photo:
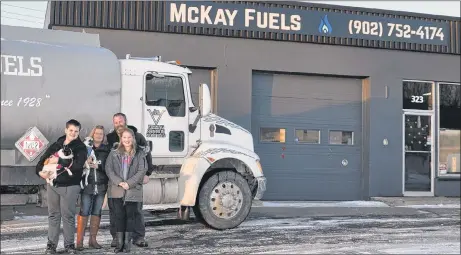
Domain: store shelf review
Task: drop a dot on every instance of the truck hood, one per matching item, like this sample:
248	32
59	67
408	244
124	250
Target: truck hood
217	129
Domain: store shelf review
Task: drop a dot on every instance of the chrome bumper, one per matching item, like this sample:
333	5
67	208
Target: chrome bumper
261	187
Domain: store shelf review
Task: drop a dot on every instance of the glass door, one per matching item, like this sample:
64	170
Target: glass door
418	154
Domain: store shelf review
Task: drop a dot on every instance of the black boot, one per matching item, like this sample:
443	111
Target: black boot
114	242
140	242
127	245
70	249
50	248
113	234
120	240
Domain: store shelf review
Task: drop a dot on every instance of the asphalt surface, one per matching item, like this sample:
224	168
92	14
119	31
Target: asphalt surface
277	230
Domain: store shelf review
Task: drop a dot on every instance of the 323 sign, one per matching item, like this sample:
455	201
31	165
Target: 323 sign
417	99
417	95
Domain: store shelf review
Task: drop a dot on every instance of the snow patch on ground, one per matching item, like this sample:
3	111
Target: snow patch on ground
372	248
303	223
23	224
322	204
424	240
31	218
421	248
436	206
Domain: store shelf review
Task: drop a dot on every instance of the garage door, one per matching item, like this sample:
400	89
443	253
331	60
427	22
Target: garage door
308	133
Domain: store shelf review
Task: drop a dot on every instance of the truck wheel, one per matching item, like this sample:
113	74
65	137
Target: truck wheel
224	200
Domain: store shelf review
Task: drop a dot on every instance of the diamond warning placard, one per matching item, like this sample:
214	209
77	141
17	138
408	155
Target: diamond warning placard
32	143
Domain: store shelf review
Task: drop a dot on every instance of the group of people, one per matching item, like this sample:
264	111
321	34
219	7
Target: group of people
123	165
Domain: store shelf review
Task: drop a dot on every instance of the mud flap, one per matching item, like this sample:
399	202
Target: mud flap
42	197
184	213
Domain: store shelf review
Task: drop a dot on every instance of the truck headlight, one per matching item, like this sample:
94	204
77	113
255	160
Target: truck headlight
259	166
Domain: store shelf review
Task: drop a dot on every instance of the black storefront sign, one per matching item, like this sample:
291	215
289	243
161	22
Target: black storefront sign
306	22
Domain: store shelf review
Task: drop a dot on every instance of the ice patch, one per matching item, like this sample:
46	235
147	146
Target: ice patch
440	248
267	222
362	221
322	204
31	218
372	248
392	243
448	206
304	223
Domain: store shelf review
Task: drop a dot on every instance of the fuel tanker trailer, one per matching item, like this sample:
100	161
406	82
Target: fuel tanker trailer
203	162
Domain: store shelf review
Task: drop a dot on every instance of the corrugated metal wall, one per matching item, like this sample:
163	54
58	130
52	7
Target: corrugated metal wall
148	16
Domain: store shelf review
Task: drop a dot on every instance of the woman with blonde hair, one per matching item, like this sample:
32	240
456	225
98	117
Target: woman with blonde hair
92	195
126	167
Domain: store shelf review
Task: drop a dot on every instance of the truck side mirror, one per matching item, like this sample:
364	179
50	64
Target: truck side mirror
205	100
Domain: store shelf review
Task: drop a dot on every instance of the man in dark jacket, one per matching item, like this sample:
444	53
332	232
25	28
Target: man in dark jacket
119	120
62	197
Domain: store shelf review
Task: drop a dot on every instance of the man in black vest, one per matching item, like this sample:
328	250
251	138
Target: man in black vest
113	138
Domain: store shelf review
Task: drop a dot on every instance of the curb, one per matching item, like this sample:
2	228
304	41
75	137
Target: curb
420	202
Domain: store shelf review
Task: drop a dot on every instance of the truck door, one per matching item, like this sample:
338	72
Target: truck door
165	114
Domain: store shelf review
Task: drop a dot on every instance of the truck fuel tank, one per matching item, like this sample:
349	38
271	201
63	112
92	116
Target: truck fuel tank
44	84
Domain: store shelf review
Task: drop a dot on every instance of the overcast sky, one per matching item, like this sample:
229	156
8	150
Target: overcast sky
32	13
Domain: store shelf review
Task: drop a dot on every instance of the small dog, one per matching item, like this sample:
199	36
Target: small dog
89	142
66	156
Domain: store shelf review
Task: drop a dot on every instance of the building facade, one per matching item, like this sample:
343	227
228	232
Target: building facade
343	103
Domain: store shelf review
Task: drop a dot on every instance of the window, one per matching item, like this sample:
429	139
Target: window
272	135
307	136
176	142
341	137
417	95
450	128
167	91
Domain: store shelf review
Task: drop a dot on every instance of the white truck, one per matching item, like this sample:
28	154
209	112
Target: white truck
203	161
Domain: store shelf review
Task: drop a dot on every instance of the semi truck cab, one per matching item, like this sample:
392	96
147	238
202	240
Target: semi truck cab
156	97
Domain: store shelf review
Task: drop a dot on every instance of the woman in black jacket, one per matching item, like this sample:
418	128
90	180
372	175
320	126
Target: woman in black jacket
92	196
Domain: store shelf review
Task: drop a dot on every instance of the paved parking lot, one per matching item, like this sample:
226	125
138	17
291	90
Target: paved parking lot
280	229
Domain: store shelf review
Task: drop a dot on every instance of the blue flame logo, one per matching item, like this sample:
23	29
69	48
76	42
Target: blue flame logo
325	26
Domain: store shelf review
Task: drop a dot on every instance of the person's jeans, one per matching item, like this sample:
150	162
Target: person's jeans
62	204
91	204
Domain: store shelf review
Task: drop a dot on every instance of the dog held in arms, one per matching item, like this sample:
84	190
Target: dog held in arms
89	142
66	157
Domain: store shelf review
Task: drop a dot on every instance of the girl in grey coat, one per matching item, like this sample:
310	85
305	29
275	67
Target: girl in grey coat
125	167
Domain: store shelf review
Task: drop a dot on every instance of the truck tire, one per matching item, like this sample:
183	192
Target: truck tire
224	200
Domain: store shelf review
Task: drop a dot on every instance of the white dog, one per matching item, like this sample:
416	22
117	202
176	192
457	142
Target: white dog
50	170
89	142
